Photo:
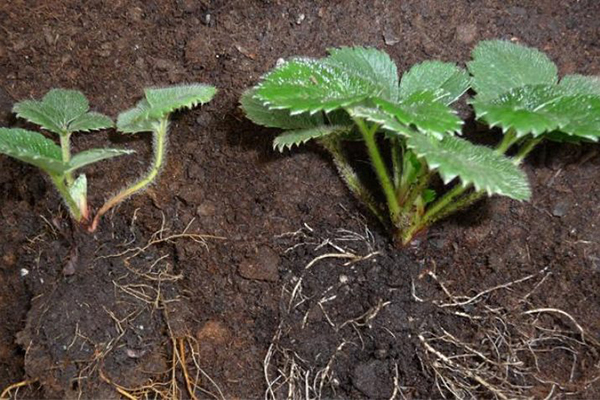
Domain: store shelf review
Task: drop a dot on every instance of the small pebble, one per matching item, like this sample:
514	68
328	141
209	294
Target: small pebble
561	209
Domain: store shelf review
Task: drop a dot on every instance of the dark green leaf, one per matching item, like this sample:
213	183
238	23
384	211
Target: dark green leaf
447	80
32	148
298	137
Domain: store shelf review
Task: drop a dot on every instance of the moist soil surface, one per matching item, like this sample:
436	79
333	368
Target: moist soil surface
244	273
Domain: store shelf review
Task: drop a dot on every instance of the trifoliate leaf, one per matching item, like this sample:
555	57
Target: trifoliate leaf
537	109
164	101
580	84
32	148
260	114
483	167
371	64
425	112
307	85
447	80
499	66
297	137
94	155
90	121
136	119
62	111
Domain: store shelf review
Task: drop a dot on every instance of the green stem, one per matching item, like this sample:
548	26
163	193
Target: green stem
66	195
159	147
380	169
508	140
65	147
433	212
526	149
416	189
396	161
333	146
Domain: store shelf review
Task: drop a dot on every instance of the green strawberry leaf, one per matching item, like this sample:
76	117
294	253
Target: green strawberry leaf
164	101
136	119
480	166
371	64
62	111
447	80
539	109
288	139
580	84
260	114
87	157
499	66
387	121
32	148
425	112
306	85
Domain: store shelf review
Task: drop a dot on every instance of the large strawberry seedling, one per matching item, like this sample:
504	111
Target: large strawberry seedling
518	90
151	114
61	112
355	93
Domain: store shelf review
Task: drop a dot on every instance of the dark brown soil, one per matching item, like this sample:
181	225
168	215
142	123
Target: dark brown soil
253	307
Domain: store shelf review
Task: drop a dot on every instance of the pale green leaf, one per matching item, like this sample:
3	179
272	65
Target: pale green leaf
540	109
164	101
297	137
499	66
87	157
136	119
447	80
57	109
580	84
260	114
307	85
425	112
90	121
32	148
483	167
78	192
372	64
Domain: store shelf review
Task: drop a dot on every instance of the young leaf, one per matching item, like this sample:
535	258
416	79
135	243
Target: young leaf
580	84
135	119
32	148
297	137
499	66
87	157
372	64
260	114
164	101
481	166
445	79
385	119
90	121
78	192
62	111
306	85
425	112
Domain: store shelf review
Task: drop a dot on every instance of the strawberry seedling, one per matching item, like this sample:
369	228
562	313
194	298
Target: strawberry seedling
61	112
355	93
151	114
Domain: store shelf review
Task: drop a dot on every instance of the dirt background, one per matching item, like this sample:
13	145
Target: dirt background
214	256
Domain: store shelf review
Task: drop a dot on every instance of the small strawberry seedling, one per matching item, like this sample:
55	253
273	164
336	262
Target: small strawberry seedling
151	114
355	93
518	90
62	112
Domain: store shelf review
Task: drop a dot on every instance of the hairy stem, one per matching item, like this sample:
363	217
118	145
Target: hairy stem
380	168
526	149
508	140
433	213
333	146
65	147
159	147
59	183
